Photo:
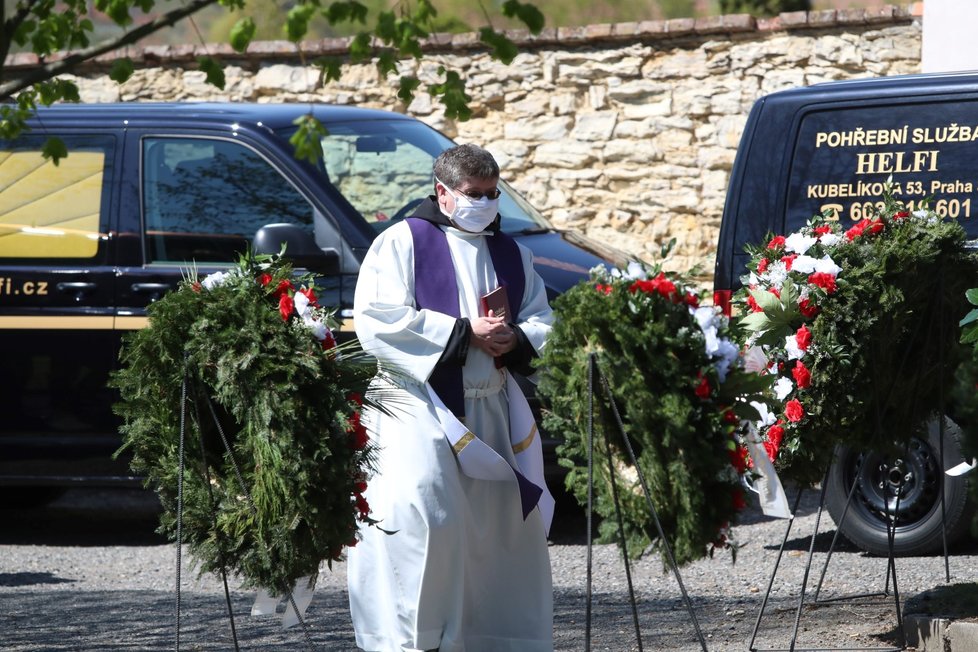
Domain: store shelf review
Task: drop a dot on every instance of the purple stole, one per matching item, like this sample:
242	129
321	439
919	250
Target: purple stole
435	288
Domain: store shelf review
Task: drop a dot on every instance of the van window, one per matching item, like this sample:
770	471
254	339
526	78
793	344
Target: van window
54	211
204	199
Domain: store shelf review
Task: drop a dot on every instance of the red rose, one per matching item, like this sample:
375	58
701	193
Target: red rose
739	503
900	215
663	286
776	241
808	308
353	542
794	411
738	459
285	306
788	261
875	226
775	291
329	342
822	230
803	337
691	300
195	286
644	286
823	280
359	486
310	294
283	287
265	279
803	377
604	289
729	416
771	450
856	230
358	433
762	265
703	389
355	397
362	506
752	304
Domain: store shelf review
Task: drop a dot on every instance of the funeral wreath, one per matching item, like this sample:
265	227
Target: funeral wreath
855	327
240	371
679	386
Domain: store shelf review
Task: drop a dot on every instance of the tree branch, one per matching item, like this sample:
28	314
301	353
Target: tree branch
10	26
55	68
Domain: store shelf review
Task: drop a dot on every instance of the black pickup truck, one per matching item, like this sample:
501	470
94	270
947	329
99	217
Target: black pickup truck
148	190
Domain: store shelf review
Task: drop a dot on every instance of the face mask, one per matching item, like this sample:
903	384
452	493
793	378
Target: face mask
472	215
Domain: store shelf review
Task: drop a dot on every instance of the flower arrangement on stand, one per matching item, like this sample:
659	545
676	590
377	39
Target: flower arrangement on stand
263	374
855	327
678	383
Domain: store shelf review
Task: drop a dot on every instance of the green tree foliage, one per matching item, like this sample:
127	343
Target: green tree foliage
763	7
47	27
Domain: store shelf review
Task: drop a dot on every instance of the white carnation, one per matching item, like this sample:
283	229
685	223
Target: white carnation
799	243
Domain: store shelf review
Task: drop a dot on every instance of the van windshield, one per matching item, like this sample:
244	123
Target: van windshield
383	168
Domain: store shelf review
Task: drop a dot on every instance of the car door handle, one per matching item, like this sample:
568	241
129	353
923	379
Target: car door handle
154	290
78	288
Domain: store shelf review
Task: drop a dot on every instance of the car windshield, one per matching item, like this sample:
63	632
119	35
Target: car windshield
383	168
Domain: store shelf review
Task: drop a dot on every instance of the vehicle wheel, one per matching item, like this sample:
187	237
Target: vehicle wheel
915	476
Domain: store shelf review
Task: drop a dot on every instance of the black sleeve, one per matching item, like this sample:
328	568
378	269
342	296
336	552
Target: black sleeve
520	358
457	348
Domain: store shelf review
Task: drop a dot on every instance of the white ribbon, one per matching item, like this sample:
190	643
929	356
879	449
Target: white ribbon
767	486
267	604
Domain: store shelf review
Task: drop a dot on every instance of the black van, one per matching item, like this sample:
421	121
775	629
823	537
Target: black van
830	147
147	189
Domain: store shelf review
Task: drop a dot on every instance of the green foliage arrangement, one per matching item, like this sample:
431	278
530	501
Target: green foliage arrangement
857	329
681	391
253	343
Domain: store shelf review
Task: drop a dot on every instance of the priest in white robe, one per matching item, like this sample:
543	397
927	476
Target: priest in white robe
461	562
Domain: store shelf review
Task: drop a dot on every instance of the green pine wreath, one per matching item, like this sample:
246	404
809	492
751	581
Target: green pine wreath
650	340
253	343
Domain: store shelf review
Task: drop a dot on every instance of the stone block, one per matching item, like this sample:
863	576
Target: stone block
594	126
794	19
851	16
710	25
680	26
543	129
924	633
564	154
824	18
882	14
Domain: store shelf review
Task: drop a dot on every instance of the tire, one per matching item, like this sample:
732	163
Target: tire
917	476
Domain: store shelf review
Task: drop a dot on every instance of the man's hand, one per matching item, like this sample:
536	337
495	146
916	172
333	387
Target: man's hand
492	335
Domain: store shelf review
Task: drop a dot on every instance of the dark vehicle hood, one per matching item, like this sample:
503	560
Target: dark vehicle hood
563	259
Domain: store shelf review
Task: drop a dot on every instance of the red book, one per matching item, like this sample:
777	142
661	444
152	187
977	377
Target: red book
498	302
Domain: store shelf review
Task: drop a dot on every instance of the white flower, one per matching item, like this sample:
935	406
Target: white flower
317	327
302	305
216	279
755	359
728	354
830	239
804	265
776	274
827	266
599	272
635	271
921	213
791	348
783	387
767	418
799	243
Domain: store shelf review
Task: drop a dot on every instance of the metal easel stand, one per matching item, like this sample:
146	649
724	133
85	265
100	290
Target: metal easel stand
207	477
891	572
593	370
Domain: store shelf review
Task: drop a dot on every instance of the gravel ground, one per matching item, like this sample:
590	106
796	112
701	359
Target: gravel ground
88	573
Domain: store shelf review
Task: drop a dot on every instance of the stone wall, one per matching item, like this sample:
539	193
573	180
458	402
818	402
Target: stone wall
626	132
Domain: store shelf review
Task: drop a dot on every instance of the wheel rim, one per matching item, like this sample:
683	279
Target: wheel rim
905	487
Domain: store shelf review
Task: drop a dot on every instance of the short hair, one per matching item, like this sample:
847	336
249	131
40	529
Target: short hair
463	162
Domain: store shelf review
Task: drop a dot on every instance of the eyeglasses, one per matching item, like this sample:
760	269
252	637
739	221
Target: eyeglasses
478	194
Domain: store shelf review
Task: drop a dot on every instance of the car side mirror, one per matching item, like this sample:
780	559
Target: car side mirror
300	248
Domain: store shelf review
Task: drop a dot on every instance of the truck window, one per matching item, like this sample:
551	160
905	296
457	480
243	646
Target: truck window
53	211
204	199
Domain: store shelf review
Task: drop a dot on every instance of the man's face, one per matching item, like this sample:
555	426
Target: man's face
473	188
